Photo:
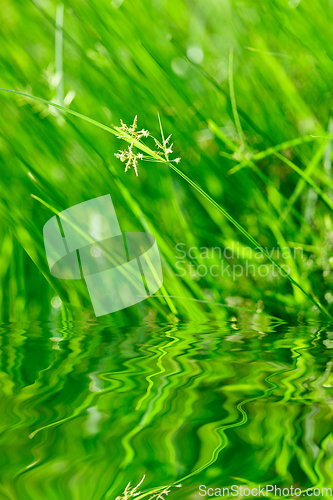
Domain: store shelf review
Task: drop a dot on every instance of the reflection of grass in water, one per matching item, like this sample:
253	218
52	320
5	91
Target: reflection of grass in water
219	432
157	494
206	407
288	432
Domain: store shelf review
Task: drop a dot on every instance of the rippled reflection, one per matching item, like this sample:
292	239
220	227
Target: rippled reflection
87	408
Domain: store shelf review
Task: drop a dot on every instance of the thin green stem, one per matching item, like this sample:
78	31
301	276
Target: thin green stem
307	179
143	147
233	97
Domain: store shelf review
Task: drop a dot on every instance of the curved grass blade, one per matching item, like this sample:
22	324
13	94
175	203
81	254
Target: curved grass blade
249	237
146	149
272	150
307	179
233	98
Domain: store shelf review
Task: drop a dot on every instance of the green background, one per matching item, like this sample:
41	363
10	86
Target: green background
115	61
224	378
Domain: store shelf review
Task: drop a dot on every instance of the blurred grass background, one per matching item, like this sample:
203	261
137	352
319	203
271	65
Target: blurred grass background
114	60
243	87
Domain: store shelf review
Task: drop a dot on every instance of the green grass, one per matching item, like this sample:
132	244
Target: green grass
213	380
249	114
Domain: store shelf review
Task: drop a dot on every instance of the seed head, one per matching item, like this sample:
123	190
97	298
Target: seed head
132	135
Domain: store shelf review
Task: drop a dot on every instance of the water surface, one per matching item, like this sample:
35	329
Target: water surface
86	408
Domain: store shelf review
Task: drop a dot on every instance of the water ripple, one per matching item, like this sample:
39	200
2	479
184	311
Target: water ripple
86	408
